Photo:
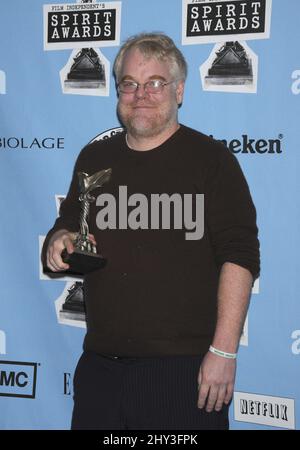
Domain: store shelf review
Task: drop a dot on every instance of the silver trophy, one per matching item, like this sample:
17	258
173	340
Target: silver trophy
85	258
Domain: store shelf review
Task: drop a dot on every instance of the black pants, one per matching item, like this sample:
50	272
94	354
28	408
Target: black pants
158	393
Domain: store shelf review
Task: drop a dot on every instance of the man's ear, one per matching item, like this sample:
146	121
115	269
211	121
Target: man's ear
179	92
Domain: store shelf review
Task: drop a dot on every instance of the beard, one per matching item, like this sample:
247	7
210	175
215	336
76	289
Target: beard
148	122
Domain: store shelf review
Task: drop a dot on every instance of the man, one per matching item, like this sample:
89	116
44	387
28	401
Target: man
165	316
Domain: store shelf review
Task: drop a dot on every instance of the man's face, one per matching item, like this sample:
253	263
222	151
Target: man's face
144	114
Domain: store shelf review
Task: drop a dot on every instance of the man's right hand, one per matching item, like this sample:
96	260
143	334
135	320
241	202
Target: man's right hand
61	239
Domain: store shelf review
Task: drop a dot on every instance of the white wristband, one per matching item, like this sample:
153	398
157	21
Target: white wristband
223	354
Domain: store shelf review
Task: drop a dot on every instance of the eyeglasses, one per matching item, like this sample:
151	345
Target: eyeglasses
151	86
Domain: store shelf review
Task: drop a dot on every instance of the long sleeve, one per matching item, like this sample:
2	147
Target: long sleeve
232	215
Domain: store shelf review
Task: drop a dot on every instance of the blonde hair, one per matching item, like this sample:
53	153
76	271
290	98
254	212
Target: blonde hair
153	45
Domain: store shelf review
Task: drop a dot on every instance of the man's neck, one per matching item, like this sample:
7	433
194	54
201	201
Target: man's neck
142	143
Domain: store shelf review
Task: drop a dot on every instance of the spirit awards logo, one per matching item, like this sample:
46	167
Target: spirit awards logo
83	26
207	21
232	65
2	82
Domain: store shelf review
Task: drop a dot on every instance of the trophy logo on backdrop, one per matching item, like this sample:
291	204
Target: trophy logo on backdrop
73	306
83	27
86	72
232	66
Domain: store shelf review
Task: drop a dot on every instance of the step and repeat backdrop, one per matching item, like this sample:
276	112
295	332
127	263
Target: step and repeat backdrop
57	94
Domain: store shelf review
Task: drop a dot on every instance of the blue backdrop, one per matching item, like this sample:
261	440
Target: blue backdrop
46	118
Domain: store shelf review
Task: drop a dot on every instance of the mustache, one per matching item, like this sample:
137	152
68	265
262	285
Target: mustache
142	105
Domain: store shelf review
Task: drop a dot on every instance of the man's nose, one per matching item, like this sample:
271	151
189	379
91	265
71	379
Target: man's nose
140	91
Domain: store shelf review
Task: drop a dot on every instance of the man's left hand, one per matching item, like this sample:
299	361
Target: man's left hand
216	381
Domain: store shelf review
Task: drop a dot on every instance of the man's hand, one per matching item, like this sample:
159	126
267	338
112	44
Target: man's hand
216	381
59	241
62	239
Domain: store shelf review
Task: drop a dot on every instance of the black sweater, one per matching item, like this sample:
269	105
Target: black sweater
158	293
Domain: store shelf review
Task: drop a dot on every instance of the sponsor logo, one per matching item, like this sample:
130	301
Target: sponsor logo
67	383
21	143
296	344
206	21
18	379
264	410
296	84
247	145
107	134
2	343
81	25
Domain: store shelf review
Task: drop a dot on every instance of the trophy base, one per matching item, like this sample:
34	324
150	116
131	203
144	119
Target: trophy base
69	315
84	84
228	80
82	262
